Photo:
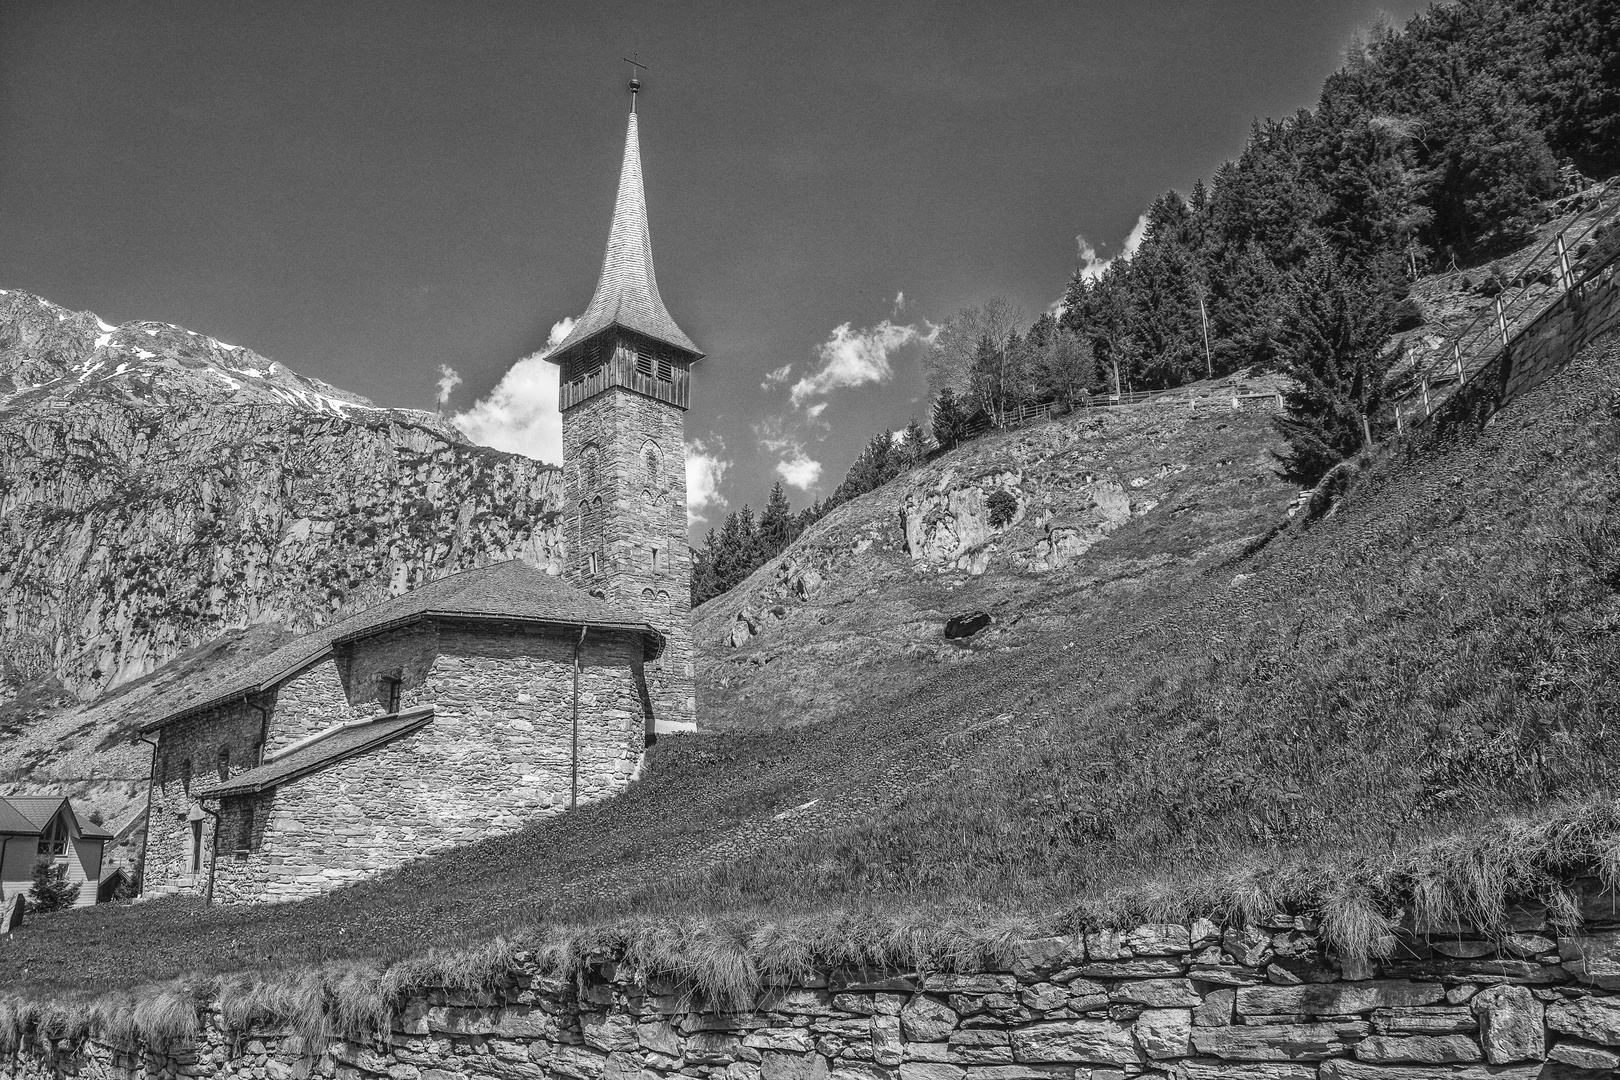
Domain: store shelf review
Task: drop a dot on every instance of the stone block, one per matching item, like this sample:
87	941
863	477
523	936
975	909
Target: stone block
609	1031
927	1019
1584	1055
1021	1072
1590	1018
1486	971
1510	1024
713	1048
1427	1020
1044	997
1201	1069
575	1062
1159	939
1337	999
1428	1049
1099	1042
931	1070
1216	1009
1146	967
928	1051
1157	993
1249	946
1202	934
1106	945
1593	958
1164	1034
1343	1069
781	1065
793	1040
797	1000
979	983
659	1037
1278	1042
1038	957
888	1048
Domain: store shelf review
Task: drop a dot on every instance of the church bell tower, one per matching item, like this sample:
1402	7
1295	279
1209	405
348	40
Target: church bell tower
625	372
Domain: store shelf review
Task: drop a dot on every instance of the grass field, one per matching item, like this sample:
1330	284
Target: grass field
1404	708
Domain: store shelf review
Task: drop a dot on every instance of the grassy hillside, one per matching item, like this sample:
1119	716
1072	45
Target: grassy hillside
1404	705
1108	509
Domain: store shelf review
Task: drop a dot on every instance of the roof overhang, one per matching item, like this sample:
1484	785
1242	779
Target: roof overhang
652	648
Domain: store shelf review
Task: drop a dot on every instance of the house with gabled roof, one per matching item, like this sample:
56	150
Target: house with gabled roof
462	709
47	826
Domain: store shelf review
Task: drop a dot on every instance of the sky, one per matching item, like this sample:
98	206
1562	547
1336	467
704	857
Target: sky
409	199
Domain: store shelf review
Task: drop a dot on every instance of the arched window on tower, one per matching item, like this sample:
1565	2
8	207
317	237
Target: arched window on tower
598	539
590	468
652	460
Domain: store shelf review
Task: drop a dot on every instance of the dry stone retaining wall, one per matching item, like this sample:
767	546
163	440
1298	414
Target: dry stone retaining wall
1160	1001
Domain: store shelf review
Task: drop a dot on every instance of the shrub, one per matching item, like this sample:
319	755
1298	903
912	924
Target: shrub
1003	507
51	891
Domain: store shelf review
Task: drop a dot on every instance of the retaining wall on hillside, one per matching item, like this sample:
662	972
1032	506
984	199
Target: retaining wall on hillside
1197	1002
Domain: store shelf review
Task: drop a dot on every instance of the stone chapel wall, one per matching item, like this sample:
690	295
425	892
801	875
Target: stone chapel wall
496	755
188	756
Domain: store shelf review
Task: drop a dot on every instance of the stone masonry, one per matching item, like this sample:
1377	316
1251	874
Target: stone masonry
625	477
496	754
1196	1001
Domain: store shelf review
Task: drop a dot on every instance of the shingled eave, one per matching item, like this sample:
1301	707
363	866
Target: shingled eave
651	640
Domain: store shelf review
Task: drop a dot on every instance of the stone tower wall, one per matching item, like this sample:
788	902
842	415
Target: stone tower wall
642	512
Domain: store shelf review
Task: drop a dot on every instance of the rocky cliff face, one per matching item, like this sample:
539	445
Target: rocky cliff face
159	487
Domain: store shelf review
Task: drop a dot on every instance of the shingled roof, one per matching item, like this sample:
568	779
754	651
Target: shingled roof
319	753
506	591
28	815
627	294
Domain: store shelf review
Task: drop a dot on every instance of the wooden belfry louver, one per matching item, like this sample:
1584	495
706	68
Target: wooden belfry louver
626	337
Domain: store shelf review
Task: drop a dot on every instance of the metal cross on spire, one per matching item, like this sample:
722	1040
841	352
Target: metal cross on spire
635	80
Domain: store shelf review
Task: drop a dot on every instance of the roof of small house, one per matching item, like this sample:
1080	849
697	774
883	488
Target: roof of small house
508	592
627	293
318	753
29	815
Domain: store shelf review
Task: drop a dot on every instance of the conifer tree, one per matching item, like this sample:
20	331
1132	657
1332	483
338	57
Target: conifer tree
775	524
949	421
1331	341
50	890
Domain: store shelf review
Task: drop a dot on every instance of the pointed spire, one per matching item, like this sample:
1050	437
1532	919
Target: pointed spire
627	294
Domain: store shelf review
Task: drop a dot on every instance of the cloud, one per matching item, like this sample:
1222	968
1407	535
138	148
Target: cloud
1092	267
449	379
816	410
799	471
520	415
899	303
855	357
780	375
705	469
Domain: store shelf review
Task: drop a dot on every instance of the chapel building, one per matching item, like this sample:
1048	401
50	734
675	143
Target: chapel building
473	704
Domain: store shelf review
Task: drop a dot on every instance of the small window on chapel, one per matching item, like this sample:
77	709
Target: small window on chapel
390	693
224	763
649	458
589	467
